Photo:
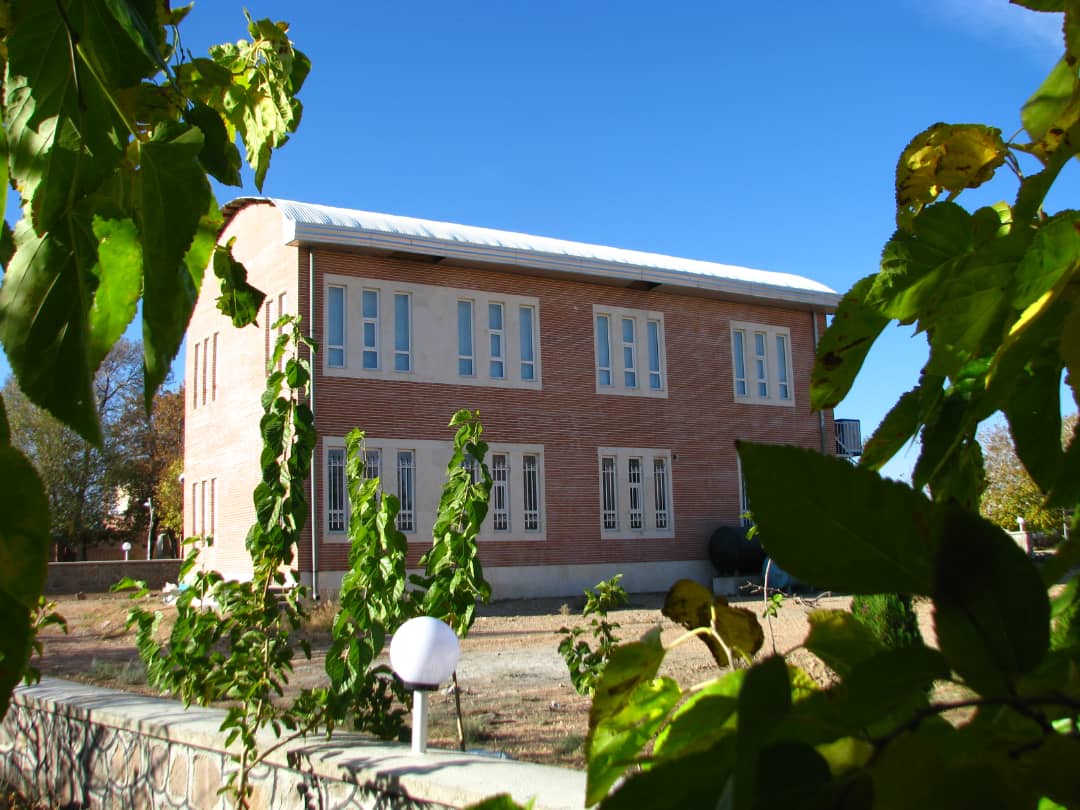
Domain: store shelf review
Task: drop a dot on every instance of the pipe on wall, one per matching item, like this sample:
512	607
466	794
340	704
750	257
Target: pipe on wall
313	520
821	414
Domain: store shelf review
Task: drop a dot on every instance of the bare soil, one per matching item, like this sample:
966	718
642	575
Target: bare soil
516	693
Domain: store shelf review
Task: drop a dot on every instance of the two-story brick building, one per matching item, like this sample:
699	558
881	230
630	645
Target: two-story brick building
612	385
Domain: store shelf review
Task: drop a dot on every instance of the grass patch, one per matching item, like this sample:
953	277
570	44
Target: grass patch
129	673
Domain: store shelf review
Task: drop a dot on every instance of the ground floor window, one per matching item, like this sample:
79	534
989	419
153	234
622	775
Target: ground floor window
635	492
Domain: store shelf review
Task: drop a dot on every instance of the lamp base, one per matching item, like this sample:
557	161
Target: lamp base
420	722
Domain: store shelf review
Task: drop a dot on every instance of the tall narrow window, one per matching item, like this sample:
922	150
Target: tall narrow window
370	325
335	489
609	504
500	492
655	378
528	343
465	338
266	336
603	350
213	506
406	481
629	354
195	379
202	508
213	368
194	509
745	518
402	333
282	308
372	463
497	365
633	471
761	365
530	484
205	351
335	327
783	388
739	356
660	486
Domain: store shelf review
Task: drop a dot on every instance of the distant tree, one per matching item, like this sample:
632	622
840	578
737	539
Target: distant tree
1010	491
81	480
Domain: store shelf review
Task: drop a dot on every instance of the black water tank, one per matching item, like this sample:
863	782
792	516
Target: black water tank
733	554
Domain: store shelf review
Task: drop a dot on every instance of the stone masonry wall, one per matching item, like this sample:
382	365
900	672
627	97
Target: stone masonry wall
81	746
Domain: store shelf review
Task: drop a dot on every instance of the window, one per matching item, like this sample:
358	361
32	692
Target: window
406	481
282	308
653	333
372	463
266	336
496	363
635	492
500	494
402	333
194	509
608	490
761	364
528	355
660	491
195	379
335	489
202	507
205	347
213	369
530	482
465	338
633	476
629	346
335	327
369	324
213	506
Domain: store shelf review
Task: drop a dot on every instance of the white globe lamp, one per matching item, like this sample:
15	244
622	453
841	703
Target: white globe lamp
423	653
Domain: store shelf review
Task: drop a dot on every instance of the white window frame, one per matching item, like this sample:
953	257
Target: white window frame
336	355
500	492
532	510
403	351
635	505
370	349
635	352
466	338
759	375
496	341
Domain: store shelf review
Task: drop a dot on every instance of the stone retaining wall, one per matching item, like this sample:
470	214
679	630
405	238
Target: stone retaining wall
98	576
83	746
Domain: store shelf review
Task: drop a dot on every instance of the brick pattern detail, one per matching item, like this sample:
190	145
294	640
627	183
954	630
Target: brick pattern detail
699	421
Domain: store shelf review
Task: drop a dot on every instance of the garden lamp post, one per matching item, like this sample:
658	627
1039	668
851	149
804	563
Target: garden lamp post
423	653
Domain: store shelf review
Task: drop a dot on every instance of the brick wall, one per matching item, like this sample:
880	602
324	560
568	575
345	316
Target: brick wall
99	576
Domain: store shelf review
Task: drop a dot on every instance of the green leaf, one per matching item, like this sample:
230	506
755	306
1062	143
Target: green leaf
693	606
135	18
1052	109
219	155
946	157
1050	769
43	304
844	346
840	640
1052	254
688	783
119	273
501	801
1034	414
992	614
703	720
764	703
238	301
901	424
173	196
616	741
889	685
882	541
807	781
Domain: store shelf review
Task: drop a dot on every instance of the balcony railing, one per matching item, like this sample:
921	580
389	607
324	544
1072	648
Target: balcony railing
848	438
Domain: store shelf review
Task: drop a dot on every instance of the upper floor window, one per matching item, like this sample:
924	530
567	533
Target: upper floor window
335	327
636	365
761	363
465	338
370	328
635	492
402	332
528	339
496	354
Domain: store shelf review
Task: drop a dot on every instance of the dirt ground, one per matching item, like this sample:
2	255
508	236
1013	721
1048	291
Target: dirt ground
516	692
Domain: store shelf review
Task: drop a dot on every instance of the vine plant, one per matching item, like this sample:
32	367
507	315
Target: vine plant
585	663
996	292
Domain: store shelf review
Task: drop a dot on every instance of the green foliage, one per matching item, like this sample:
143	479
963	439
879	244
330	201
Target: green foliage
889	616
453	581
231	640
586	664
997	294
109	134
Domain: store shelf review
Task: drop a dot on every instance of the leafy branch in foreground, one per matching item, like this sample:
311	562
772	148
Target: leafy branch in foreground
231	640
997	294
110	135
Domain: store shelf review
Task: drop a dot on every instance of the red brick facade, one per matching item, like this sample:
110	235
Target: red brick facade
698	422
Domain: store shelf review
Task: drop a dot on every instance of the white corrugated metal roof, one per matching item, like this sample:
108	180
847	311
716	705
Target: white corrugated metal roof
306	223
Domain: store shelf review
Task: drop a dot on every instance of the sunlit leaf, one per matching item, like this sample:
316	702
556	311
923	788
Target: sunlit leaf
1052	109
239	301
840	640
844	346
119	274
947	157
694	606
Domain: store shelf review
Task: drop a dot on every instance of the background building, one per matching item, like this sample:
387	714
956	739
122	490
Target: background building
612	386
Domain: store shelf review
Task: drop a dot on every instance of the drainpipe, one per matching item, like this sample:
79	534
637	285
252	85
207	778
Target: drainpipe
821	414
313	519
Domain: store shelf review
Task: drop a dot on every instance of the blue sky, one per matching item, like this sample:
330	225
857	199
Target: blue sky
762	135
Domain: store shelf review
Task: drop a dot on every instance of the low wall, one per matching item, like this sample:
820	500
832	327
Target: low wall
87	747
98	576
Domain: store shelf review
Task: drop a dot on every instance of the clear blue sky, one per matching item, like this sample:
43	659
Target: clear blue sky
762	135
